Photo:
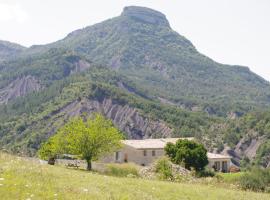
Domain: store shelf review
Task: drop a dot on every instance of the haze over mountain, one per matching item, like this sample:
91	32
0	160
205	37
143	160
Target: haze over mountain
151	81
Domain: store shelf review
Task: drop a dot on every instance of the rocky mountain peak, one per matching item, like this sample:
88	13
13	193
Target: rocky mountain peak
145	15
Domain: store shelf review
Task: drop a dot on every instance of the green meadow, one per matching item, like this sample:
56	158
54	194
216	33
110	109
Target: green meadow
27	179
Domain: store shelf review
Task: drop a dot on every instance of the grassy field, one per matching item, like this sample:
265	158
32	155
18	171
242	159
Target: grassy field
231	177
29	180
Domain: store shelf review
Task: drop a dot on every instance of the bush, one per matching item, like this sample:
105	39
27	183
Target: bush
163	168
122	170
205	173
245	164
256	180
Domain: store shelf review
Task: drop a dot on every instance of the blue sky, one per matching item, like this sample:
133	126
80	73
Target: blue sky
229	31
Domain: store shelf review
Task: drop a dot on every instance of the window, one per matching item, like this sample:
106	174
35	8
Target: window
153	153
117	155
224	166
217	166
144	153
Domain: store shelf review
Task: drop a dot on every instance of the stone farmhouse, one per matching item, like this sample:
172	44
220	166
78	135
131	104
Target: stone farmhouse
144	152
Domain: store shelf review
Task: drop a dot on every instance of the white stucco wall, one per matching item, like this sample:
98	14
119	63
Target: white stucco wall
134	156
137	156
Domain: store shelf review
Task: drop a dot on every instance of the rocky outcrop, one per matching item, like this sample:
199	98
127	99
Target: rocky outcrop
145	15
166	101
80	66
124	87
126	118
150	172
234	115
246	147
235	158
19	87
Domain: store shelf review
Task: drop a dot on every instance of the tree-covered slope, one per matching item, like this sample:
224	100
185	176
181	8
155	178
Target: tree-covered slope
141	45
8	49
27	121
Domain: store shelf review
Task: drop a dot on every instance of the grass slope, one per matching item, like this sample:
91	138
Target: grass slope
26	179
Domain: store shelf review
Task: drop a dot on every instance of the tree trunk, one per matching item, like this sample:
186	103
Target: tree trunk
89	165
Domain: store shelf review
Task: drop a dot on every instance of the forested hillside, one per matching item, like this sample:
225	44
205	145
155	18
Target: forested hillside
141	45
8	49
29	120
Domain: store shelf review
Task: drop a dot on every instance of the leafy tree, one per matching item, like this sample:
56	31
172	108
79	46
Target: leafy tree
188	153
51	148
91	139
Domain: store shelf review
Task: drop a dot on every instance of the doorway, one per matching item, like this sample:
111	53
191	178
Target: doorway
126	157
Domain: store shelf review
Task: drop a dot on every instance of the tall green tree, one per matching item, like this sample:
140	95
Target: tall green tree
91	139
188	153
51	148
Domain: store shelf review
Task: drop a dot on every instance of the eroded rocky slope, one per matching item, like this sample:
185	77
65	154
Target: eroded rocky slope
129	120
19	87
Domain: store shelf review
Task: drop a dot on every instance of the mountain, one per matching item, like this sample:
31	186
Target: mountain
29	120
141	45
149	80
8	49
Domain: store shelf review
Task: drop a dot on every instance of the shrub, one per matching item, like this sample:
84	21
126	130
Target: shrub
163	167
205	173
245	163
122	170
256	180
262	154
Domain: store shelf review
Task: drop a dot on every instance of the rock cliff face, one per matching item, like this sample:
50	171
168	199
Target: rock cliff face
126	118
80	66
26	83
145	15
19	87
246	147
